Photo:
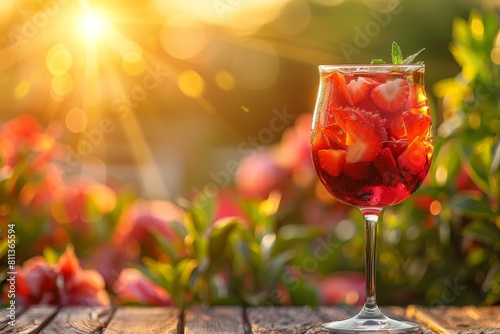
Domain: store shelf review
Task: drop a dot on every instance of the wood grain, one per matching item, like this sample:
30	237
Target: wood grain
227	319
78	319
286	320
140	320
31	321
5	315
458	320
221	319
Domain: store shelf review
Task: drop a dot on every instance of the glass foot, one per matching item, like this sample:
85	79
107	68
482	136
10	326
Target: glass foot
379	324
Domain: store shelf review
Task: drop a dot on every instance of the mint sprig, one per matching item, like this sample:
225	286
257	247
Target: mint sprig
397	56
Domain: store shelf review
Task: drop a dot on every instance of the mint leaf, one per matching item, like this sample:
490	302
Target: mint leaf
397	55
411	58
377	61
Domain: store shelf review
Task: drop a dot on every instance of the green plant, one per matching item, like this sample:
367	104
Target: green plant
239	259
451	253
470	144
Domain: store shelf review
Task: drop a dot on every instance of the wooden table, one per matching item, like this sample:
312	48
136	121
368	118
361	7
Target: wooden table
228	319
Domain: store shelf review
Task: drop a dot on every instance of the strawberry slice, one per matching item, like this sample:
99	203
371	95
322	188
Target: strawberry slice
416	124
390	96
358	88
386	166
396	127
414	158
417	96
396	146
335	136
357	170
340	93
318	141
332	161
363	141
342	115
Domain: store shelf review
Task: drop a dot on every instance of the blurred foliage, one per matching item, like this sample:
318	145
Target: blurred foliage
234	260
470	148
450	250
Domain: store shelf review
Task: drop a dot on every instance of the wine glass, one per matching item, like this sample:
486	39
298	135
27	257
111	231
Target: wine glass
372	147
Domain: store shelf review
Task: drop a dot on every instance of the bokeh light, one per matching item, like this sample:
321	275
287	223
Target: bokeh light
225	80
59	59
131	52
435	207
22	89
65	204
191	83
76	120
62	85
6	8
184	36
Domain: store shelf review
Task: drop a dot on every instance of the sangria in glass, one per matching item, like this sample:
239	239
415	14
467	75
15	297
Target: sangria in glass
372	147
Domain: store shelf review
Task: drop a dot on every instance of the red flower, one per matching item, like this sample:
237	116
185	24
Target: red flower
294	150
227	206
24	135
36	283
82	201
258	175
22	129
146	217
62	284
342	288
133	287
141	222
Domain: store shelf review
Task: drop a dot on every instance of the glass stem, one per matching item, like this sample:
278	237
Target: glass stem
371	215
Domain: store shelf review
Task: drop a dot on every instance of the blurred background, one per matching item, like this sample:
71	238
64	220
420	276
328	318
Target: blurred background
158	94
165	145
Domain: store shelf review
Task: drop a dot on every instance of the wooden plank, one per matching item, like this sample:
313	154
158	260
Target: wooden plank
79	319
6	315
220	319
32	320
333	313
130	320
400	313
458	320
329	314
285	320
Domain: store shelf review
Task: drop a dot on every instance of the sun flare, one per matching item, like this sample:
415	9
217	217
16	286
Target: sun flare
93	26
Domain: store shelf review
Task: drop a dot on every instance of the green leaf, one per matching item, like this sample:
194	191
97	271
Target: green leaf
303	293
396	54
492	281
478	157
411	58
219	238
160	273
276	266
165	246
484	232
473	206
377	61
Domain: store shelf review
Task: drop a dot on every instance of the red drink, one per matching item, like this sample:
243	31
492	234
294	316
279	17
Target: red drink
372	144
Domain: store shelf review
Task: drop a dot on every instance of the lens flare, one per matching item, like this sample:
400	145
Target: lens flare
93	26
